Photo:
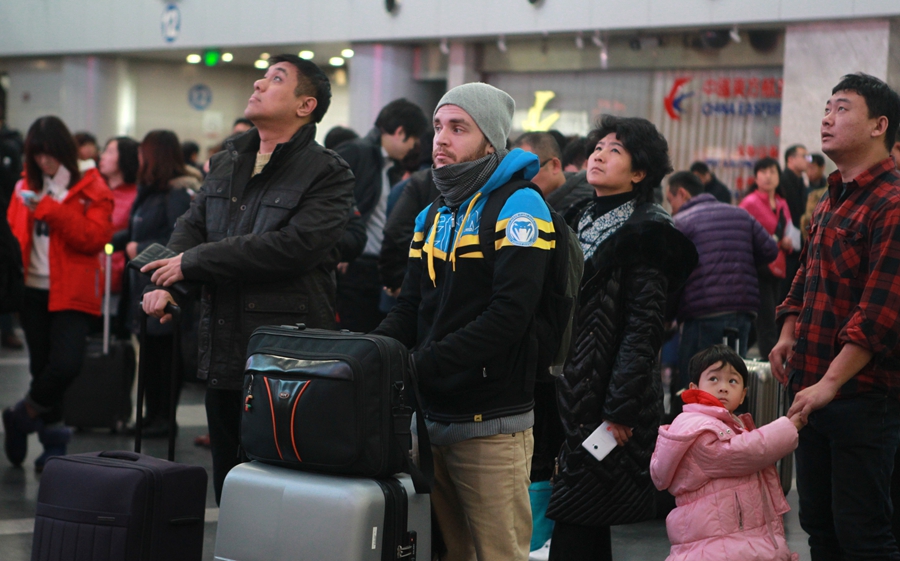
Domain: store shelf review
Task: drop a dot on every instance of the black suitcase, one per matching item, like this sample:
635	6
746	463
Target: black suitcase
100	397
121	506
332	402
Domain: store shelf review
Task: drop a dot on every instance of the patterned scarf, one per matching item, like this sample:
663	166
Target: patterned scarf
458	182
594	231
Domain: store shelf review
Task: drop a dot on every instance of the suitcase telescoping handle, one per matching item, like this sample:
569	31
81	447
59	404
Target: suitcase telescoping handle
173	387
107	288
732	338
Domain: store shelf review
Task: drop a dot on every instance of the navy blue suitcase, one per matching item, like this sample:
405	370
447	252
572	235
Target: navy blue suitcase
119	505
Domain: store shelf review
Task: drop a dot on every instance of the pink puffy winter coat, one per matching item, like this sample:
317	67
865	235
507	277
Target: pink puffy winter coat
728	495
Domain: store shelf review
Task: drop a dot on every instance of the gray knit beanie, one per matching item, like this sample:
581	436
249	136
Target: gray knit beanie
491	108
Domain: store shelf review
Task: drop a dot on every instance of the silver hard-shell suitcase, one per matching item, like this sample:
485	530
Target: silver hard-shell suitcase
768	400
271	513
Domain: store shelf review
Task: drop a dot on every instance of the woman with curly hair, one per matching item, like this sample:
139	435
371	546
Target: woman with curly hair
634	258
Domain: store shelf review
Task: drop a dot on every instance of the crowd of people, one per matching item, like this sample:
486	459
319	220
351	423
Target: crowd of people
383	233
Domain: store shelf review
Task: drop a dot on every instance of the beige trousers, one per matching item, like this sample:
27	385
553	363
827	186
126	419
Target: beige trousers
481	499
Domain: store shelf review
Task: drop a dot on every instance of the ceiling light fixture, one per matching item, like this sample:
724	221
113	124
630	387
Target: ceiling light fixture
261	64
306	54
347	53
194	58
227	57
264	56
735	36
336	61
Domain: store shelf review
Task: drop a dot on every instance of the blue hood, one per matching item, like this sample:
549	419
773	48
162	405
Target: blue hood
517	160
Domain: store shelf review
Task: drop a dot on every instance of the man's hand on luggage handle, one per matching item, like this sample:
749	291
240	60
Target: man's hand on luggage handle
781	351
154	304
167	271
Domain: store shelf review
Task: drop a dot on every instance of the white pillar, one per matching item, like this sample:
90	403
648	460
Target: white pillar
379	74
461	67
815	57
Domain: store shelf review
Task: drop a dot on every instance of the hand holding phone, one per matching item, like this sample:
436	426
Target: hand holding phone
30	198
601	442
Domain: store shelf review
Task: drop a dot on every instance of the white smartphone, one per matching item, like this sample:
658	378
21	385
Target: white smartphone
601	442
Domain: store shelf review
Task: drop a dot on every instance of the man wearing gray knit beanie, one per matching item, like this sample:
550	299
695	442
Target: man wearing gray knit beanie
475	275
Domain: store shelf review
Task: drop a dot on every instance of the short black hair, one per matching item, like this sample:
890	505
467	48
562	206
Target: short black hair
339	135
402	113
687	180
188	149
817	159
791	151
310	81
128	157
544	144
243	121
766	163
714	355
83	137
560	138
647	146
699	167
880	99
575	152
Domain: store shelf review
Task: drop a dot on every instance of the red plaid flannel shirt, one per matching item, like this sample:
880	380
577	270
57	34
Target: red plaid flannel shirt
848	288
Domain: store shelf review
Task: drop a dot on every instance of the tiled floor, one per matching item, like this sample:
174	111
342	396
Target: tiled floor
18	487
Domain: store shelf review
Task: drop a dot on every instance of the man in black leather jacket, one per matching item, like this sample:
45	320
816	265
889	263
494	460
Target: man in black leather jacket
261	239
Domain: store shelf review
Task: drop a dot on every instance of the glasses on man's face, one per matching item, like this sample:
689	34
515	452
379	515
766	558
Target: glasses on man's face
545	162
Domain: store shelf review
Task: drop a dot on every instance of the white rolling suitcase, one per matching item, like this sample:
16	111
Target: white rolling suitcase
270	513
769	400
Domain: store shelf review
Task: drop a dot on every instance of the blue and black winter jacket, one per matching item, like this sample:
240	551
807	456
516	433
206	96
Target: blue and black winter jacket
468	317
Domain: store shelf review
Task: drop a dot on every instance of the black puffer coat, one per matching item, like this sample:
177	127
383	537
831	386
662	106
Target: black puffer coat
613	370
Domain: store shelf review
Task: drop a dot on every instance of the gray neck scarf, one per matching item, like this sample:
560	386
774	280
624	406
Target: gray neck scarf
458	182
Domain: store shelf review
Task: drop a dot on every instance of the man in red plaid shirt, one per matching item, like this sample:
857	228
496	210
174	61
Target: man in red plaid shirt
839	349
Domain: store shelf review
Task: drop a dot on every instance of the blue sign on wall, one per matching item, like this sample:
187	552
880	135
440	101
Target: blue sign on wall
170	23
200	96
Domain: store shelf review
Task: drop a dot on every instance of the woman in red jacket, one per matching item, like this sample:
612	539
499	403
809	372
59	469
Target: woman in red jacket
119	167
766	204
62	218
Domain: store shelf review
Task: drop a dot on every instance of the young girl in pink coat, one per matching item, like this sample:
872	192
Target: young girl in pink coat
721	469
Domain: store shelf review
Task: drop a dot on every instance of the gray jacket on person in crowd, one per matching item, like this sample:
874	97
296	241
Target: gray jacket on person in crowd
263	247
732	245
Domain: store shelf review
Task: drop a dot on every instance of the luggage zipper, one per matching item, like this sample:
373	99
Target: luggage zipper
740	512
398	543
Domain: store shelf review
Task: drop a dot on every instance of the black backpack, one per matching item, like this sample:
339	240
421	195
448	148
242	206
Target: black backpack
556	309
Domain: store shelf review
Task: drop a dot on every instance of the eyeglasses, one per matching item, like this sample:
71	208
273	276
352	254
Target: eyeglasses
545	162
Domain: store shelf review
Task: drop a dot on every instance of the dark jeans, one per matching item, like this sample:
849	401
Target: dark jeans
844	464
359	296
56	343
223	413
766	330
580	543
792	265
158	356
700	334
